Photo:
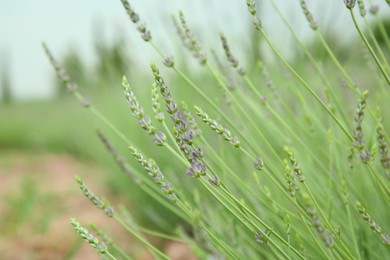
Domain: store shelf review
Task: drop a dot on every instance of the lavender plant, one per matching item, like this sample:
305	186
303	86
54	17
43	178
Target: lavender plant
245	198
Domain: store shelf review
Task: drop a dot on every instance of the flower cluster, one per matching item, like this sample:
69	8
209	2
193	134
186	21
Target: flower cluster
170	105
134	17
357	132
374	226
100	247
374	9
229	55
215	181
94	199
158	114
106	239
263	238
251	7
350	4
61	73
257	23
258	164
154	171
296	168
362	8
183	135
190	41
218	128
324	234
138	112
309	16
291	181
190	119
383	146
169	62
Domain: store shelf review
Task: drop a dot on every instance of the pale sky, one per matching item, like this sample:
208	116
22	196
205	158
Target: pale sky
24	24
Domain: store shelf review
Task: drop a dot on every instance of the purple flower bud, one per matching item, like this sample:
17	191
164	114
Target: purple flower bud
202	58
71	87
146	36
197	169
257	23
169	62
159	178
86	102
141	28
134	17
215	181
350	3
235	142
374	9
189	138
241	71
259	164
159	139
171	108
168	188
191	172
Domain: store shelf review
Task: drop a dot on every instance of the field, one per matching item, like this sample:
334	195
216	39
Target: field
265	158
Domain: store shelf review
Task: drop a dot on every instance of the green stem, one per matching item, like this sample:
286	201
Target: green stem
376	44
378	63
111	256
121	252
315	239
245	114
354	239
352	84
153	249
162	235
224	247
326	220
205	184
306	86
312	59
171	136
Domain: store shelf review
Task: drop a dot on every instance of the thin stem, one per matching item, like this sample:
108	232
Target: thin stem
315	239
306	86
162	235
111	256
121	252
171	136
369	47
141	239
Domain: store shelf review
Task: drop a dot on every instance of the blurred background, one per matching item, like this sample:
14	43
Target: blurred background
46	137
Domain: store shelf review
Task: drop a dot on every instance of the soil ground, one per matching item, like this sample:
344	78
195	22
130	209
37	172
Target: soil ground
39	195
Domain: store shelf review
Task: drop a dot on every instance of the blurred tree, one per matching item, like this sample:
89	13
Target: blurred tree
381	31
112	59
6	80
74	65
